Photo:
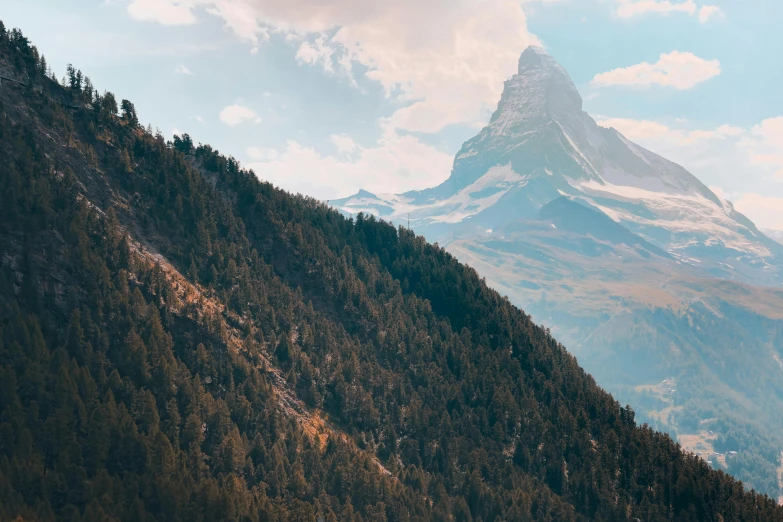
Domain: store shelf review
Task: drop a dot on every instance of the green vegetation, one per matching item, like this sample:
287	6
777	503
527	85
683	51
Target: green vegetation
715	384
160	307
634	323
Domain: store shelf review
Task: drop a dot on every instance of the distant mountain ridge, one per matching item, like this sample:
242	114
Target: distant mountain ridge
540	145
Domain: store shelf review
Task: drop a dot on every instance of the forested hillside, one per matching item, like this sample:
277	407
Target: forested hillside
179	341
699	358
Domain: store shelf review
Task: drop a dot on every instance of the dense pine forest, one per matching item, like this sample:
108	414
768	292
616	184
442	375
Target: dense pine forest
180	341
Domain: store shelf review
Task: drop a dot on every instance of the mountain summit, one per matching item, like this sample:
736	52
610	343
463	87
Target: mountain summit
541	88
540	145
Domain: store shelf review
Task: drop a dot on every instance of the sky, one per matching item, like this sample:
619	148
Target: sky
325	97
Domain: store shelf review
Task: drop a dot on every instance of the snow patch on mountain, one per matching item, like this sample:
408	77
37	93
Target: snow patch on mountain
469	201
685	214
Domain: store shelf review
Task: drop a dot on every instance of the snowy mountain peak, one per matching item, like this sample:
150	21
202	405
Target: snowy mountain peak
541	89
539	105
536	58
536	66
539	145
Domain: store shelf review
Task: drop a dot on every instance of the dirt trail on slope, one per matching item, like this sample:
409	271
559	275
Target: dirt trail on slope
190	300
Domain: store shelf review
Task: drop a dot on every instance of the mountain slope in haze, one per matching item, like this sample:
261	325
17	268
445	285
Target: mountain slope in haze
636	266
567	215
698	358
182	342
777	235
540	145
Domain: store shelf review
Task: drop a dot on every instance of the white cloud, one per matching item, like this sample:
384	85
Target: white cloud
261	153
766	146
681	70
636	130
633	8
444	60
646	131
181	69
718	191
315	52
236	114
771	132
394	164
630	8
729	130
167	12
343	142
765	211
709	11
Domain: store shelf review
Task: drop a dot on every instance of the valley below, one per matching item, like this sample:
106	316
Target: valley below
685	352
